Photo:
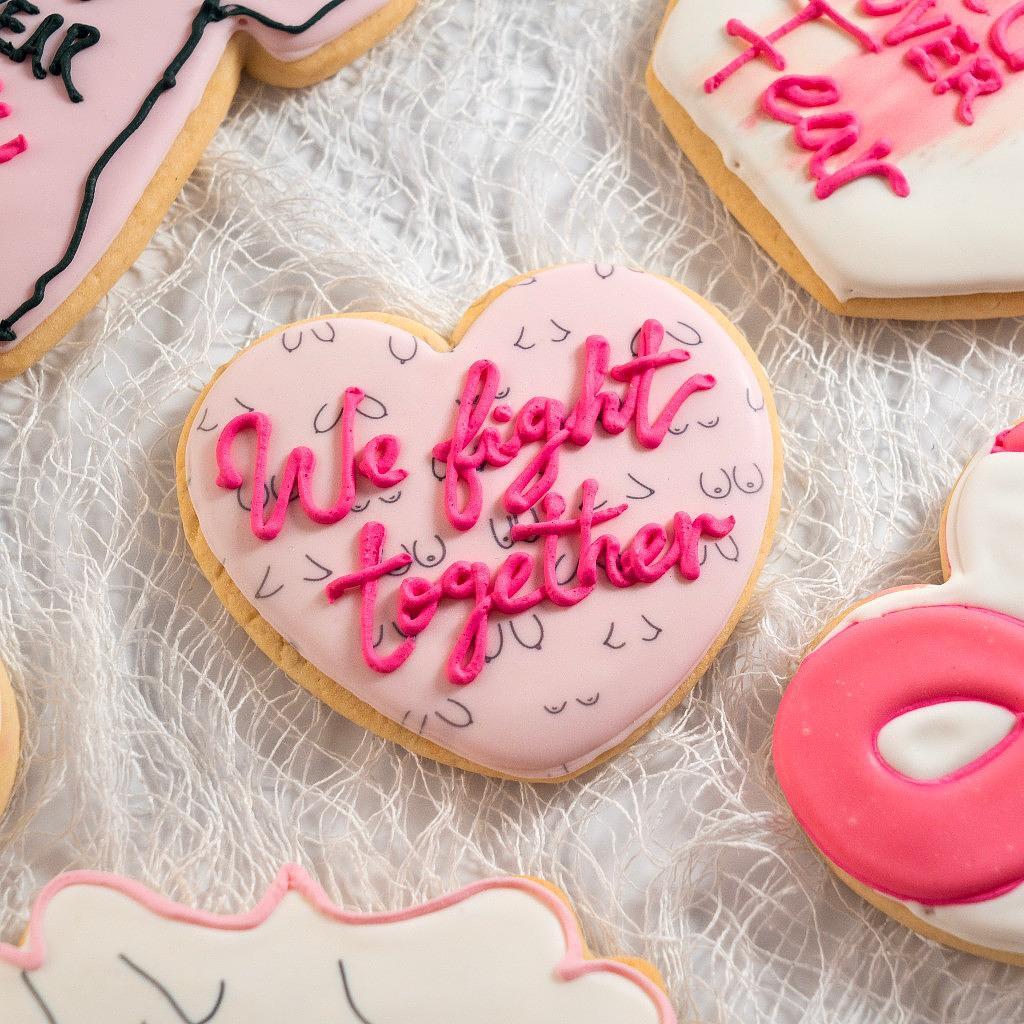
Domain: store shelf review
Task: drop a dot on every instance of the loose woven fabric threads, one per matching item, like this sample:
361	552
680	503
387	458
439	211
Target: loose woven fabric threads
478	141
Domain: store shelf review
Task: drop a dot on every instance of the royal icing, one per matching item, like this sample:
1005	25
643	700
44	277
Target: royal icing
910	711
882	135
518	550
96	95
101	948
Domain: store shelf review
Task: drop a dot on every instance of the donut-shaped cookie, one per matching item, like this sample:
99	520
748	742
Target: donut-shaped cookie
898	743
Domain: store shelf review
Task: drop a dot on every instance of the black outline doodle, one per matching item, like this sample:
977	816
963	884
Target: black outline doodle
423	723
710	424
525	282
365	505
565	332
571	576
607	641
40	1002
639	497
348	994
717	497
679	433
375	401
735	556
259	595
380	637
284	342
552	710
756	408
428	563
407	359
247	408
401	570
597	270
519	639
202	420
461	706
657	631
389	500
512	521
330	327
518	343
688	344
175	1006
248	508
488	658
590	702
273	489
327	573
433	469
751	489
334	422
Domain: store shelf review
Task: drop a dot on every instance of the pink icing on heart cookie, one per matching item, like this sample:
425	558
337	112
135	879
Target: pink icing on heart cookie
101	948
110	105
515	555
898	742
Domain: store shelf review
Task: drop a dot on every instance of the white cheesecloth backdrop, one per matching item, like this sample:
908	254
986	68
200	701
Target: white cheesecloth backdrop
483	139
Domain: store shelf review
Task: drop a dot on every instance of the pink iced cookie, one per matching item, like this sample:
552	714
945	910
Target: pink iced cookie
898	743
101	948
107	108
515	556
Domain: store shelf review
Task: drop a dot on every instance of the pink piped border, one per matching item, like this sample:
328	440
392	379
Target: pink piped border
32	955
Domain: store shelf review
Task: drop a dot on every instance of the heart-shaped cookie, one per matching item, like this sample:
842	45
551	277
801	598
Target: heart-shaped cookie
513	554
106	110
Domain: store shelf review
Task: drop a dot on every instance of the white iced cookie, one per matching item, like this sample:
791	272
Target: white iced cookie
872	148
100	948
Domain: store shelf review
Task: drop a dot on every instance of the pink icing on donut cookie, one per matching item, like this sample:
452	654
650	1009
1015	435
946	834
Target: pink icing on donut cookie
950	844
581	497
898	742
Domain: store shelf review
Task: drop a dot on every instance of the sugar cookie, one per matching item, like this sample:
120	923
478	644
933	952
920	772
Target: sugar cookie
101	948
514	556
106	110
871	148
897	742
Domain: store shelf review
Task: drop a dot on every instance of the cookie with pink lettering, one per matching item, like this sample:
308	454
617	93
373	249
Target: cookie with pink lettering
10	739
870	146
513	552
107	108
100	948
898	743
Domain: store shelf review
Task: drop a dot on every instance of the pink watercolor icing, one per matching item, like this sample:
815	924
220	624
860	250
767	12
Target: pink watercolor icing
941	80
924	79
33	955
652	491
